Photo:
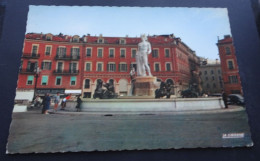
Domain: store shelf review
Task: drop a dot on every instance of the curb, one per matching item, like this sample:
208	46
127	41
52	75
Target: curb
223	110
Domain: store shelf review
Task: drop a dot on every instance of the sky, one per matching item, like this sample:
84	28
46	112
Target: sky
199	28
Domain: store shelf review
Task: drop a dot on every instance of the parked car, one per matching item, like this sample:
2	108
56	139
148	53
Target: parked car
236	99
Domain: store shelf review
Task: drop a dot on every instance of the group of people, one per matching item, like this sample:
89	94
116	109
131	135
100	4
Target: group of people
46	102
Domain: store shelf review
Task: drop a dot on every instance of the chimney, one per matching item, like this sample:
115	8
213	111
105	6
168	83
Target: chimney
226	36
217	62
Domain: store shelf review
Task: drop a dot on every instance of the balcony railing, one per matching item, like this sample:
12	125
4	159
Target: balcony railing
30	55
66	57
27	71
66	72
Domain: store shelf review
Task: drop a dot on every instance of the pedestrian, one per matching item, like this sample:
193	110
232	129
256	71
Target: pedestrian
224	97
37	101
46	103
43	103
79	101
56	101
63	104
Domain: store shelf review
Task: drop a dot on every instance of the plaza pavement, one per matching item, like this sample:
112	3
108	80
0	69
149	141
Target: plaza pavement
81	131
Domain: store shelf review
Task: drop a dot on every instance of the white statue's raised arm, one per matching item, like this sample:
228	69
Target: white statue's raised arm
144	48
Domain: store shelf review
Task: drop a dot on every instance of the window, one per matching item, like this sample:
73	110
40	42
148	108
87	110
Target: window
155	53
60	67
74	53
219	72
100	53
230	64
87	84
88	52
30	80
88	66
61	52
46	65
111	53
58	80
228	51
233	79
99	67
168	66
73	80
122	53
73	67
220	84
75	39
212	71
122	41
213	78
208	86
206	78
44	80
34	49
100	41
48	50
122	68
167	53
133	65
111	81
48	38
31	66
169	81
214	85
219	78
21	65
133	54
205	72
111	67
156	67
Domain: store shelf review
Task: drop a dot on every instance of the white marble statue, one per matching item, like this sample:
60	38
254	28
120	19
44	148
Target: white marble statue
144	48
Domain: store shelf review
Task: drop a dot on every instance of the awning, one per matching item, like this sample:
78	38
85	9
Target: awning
72	91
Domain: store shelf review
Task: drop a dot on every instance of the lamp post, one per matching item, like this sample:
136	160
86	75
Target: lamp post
37	73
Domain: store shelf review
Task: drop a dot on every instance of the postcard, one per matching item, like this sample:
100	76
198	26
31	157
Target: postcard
127	78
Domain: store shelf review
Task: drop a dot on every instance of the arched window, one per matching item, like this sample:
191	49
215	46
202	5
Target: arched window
98	80
87	84
169	81
75	38
111	81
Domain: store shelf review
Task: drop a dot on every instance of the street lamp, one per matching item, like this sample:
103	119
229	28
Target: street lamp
37	73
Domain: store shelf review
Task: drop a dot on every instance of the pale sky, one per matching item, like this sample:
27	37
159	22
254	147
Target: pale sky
199	28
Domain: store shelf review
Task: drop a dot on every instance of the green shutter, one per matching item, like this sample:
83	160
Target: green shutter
44	79
50	66
58	51
65	52
30	78
72	78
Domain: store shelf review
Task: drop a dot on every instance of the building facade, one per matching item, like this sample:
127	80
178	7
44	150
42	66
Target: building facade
73	64
229	66
211	77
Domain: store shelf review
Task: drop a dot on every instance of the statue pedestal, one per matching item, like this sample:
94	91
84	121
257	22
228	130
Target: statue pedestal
145	86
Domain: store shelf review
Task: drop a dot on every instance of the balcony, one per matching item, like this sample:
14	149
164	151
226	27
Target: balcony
66	72
30	55
27	71
66	57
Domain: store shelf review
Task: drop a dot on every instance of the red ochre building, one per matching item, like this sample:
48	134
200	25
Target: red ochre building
73	64
229	66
